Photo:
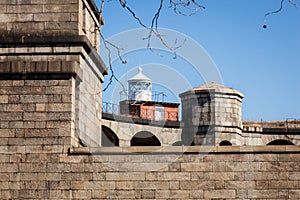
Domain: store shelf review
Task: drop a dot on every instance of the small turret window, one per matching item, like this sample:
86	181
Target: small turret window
225	143
280	142
144	138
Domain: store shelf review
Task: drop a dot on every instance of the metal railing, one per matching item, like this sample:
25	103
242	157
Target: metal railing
156	96
172	116
110	108
147	114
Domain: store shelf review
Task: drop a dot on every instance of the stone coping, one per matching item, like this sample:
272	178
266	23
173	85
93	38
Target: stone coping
185	149
212	88
8	40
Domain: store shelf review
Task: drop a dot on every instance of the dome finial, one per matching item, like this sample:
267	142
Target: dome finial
139	76
140	70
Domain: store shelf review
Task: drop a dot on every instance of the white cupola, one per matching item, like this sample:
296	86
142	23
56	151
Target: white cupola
140	87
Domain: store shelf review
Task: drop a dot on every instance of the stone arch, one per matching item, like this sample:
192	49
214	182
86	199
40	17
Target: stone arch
109	137
178	143
280	142
144	138
225	143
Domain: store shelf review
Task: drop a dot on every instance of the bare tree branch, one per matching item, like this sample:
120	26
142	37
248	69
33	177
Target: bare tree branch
181	7
124	5
101	7
153	31
277	11
112	76
190	7
293	3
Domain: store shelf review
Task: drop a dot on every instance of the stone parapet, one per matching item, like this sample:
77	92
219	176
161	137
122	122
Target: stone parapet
263	149
69	17
47	49
15	69
211	113
227	173
43	44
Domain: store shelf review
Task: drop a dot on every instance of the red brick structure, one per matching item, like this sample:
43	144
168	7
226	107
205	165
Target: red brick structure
151	110
139	104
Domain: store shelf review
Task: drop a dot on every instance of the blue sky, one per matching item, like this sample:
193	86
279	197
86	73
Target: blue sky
263	64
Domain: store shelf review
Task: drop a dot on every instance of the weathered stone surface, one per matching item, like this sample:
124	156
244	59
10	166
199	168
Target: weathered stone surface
262	194
196	166
219	194
50	103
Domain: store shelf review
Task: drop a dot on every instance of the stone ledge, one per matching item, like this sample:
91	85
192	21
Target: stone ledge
10	68
9	40
185	150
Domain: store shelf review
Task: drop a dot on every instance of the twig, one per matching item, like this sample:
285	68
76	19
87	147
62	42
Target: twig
277	11
153	29
112	76
192	5
101	8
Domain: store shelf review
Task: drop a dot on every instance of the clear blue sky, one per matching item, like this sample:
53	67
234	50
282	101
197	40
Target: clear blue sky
263	64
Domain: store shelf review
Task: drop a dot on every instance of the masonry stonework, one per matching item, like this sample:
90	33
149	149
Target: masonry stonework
54	67
50	125
32	173
211	114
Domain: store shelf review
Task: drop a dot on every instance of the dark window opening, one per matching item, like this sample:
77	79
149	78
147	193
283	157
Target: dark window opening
108	137
280	142
225	143
178	143
144	138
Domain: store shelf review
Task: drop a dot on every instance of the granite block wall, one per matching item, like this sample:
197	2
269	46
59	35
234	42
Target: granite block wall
50	97
29	172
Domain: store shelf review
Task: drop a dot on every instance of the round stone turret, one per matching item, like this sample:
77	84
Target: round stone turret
212	115
140	87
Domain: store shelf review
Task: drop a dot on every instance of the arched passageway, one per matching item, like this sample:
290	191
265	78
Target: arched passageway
225	143
280	142
108	137
144	138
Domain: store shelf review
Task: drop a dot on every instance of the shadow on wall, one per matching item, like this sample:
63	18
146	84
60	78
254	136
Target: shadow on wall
280	142
225	143
144	138
108	137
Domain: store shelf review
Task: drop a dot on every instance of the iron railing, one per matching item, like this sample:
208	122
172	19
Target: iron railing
156	96
172	116
110	108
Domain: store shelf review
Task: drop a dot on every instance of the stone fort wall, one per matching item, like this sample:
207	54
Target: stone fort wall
46	80
37	172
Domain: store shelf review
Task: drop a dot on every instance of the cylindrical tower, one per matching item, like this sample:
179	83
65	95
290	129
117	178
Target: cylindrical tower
140	87
212	115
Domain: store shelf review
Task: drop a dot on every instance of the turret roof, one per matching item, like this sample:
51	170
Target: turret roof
139	77
213	87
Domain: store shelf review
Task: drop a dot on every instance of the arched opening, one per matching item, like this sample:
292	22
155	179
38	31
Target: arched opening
108	137
280	142
144	138
178	143
225	143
